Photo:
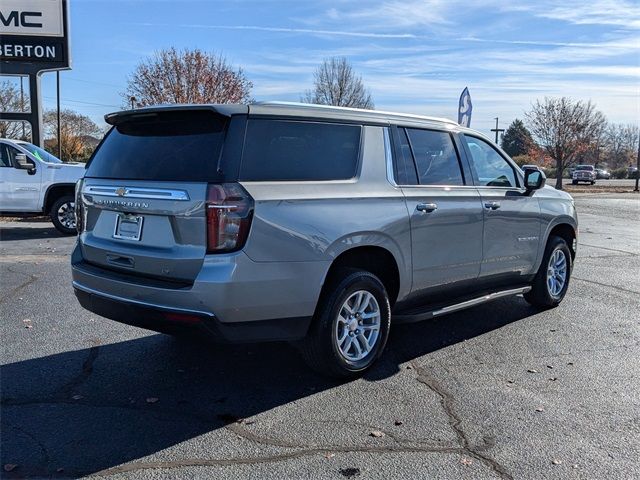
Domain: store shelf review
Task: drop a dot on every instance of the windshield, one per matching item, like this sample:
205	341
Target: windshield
584	167
40	153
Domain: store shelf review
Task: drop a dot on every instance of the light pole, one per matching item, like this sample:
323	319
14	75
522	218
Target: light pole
637	168
58	105
133	102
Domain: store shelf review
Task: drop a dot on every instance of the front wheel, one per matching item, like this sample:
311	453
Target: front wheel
552	280
63	215
351	326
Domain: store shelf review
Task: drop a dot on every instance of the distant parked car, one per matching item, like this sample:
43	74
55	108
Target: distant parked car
602	174
584	173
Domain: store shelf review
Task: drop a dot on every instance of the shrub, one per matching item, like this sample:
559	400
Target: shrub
619	173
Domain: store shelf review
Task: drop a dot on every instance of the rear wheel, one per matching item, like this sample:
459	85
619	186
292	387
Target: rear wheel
63	215
351	326
552	280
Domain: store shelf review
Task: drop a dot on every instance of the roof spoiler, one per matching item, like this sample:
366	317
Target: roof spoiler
116	118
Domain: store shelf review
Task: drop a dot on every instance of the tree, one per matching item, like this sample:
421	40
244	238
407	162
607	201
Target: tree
11	101
621	144
517	139
77	132
335	83
188	76
565	129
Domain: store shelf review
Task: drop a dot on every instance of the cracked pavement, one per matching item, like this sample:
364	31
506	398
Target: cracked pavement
497	391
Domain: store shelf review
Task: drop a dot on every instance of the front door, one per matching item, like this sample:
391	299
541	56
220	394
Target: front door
446	214
19	190
511	216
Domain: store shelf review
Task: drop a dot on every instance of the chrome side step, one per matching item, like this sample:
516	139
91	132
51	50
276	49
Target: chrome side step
425	315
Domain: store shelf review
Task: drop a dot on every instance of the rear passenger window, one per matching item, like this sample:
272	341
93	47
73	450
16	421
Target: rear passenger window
436	157
290	150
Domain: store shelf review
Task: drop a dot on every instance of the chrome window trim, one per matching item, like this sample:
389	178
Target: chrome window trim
136	192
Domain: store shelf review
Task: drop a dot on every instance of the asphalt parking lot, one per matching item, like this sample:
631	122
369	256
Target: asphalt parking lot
501	390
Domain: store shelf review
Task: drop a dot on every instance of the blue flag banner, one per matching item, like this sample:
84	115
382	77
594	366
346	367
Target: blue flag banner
465	107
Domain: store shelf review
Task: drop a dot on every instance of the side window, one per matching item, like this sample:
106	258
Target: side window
7	155
490	168
436	157
294	150
404	167
5	161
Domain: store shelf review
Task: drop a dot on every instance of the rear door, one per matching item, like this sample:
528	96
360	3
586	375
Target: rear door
144	193
511	216
444	207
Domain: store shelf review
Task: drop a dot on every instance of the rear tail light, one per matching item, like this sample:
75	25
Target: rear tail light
229	212
78	207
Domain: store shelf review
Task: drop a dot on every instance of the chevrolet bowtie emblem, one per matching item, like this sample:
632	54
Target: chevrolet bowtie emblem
121	191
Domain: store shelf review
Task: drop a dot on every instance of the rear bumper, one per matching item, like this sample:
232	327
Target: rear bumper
164	319
233	299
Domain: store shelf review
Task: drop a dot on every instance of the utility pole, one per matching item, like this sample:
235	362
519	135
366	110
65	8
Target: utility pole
637	168
22	105
58	104
497	130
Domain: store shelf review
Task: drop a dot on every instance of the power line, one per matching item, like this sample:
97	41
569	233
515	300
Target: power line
86	103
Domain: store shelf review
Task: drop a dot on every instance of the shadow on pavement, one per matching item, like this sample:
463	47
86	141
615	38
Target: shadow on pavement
28	232
92	409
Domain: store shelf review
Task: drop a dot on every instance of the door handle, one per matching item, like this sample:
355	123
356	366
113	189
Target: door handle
492	205
426	207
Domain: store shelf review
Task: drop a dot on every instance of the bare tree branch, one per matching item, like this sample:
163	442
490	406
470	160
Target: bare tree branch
335	83
565	130
77	132
187	76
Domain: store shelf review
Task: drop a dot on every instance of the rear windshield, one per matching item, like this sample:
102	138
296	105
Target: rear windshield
173	146
298	150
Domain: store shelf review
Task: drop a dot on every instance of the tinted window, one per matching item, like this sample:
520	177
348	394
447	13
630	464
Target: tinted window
436	157
405	168
286	150
490	168
176	146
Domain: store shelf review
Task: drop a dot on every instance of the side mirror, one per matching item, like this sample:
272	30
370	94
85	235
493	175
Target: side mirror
24	163
534	178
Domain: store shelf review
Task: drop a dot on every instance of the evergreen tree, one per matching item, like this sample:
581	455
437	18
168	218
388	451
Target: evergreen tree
517	139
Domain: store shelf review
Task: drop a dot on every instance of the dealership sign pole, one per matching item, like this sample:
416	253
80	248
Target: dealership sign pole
34	38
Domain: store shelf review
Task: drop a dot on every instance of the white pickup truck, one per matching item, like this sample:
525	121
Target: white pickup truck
32	182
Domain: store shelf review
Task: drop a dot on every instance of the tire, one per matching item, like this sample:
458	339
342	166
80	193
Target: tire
575	182
62	215
593	183
541	294
321	348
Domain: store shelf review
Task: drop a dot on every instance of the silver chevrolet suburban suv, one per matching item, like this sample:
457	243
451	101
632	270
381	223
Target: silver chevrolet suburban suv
322	226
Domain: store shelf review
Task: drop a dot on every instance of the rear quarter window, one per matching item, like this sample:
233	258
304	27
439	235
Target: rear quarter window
283	150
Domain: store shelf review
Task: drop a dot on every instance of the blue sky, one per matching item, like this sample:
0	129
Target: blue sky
415	56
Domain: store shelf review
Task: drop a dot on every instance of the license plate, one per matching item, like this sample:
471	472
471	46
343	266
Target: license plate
128	227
